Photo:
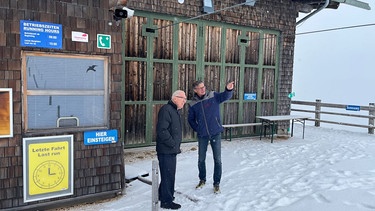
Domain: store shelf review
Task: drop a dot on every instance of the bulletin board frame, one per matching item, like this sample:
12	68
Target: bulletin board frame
48	167
6	113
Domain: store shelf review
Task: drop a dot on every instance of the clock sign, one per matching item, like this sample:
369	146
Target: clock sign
48	167
49	174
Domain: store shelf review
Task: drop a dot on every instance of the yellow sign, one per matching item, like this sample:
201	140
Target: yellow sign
48	167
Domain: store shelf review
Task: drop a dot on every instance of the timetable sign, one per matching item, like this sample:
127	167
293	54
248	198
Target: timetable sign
40	34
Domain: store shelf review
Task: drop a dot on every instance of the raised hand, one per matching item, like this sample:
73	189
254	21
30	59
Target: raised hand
230	85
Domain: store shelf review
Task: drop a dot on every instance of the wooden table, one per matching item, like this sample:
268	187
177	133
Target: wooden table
272	120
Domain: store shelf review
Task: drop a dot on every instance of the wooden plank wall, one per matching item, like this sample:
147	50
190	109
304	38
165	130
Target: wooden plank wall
268	14
187	49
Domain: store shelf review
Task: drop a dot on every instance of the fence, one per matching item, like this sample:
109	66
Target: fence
318	111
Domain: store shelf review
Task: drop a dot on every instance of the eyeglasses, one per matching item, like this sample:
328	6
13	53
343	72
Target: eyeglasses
200	88
182	97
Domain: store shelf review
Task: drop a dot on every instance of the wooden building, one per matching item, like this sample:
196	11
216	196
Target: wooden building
168	47
77	86
46	50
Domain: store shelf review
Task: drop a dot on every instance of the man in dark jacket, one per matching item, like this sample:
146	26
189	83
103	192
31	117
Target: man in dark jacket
204	118
168	141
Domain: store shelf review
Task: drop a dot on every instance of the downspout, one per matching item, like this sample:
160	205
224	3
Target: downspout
313	13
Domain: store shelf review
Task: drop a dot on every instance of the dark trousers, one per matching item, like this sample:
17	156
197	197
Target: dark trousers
167	165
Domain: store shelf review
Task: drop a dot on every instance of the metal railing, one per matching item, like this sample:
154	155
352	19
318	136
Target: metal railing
318	105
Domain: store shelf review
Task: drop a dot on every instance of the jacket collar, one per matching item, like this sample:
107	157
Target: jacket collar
170	102
196	97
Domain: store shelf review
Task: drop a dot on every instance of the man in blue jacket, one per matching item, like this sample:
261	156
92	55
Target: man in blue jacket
168	141
204	118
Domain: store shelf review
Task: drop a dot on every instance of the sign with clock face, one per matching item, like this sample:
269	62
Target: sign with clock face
48	167
49	174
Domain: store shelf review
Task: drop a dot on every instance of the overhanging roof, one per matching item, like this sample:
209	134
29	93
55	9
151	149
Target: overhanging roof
314	4
333	4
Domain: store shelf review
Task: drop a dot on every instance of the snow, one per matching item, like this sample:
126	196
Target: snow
329	169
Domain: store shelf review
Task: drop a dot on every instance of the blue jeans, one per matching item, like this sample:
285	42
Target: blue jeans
215	142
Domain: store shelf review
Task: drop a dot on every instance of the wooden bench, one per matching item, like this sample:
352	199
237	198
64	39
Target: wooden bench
229	127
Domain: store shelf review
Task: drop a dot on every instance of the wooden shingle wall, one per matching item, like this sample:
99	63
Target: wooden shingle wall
97	169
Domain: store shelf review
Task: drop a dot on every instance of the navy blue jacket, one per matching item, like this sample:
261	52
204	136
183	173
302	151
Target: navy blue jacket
204	113
168	130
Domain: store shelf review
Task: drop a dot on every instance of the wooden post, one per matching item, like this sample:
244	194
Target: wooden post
155	185
317	112
371	112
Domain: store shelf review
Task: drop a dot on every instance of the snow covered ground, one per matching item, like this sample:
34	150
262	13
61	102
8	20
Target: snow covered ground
328	170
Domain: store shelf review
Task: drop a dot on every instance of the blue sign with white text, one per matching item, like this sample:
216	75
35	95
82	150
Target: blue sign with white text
40	34
353	108
100	137
250	96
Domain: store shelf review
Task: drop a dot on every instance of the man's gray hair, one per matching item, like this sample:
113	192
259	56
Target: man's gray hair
177	92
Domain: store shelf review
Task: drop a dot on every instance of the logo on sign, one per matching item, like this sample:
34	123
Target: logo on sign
104	41
80	36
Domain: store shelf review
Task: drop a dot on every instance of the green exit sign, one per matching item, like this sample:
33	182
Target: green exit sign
104	41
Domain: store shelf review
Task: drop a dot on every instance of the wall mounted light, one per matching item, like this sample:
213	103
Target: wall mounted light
208	6
250	2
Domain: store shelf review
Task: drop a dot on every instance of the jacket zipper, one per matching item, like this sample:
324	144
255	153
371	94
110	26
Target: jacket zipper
205	120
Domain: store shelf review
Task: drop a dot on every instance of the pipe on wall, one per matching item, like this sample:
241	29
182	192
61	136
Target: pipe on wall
313	13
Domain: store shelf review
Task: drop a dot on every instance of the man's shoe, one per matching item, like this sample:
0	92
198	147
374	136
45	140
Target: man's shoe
201	184
171	206
216	189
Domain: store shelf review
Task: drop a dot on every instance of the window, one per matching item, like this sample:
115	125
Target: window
64	90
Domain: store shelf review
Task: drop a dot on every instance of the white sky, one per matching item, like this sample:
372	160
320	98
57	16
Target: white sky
336	66
330	170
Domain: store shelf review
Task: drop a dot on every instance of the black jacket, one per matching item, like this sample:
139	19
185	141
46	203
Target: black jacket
168	130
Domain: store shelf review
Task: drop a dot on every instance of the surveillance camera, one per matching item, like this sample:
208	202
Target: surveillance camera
123	12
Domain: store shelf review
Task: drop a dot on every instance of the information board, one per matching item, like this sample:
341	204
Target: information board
48	167
40	34
250	96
